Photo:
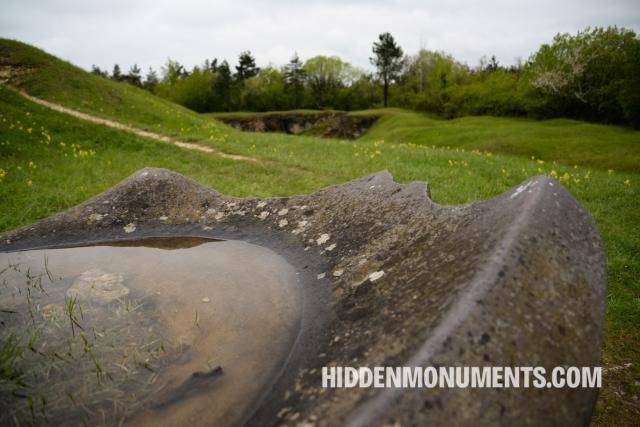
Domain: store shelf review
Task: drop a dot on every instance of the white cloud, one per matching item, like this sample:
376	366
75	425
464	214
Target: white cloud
147	32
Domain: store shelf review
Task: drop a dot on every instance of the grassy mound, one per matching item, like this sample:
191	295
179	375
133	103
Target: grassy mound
569	142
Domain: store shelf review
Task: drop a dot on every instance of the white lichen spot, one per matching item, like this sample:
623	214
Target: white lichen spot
302	224
331	247
129	228
283	212
219	216
205	299
95	217
321	276
241	213
283	223
261	205
207	228
263	215
210	212
338	272
376	275
523	188
324	238
163	218
232	204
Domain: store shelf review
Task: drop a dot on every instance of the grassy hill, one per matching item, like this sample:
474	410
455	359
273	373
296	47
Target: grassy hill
50	161
50	78
570	142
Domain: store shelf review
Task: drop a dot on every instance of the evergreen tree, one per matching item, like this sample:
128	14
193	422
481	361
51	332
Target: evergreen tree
116	74
388	60
213	65
151	80
294	78
182	72
134	76
246	67
222	85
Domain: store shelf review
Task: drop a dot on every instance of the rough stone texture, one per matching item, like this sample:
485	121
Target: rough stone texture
518	280
326	124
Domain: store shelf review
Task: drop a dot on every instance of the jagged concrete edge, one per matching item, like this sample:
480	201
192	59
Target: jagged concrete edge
417	193
370	411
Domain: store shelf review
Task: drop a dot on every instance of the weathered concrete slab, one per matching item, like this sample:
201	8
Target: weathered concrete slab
518	280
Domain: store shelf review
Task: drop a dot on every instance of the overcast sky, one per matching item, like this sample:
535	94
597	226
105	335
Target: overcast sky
104	32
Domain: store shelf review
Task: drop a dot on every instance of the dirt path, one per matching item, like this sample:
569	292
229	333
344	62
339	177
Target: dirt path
140	132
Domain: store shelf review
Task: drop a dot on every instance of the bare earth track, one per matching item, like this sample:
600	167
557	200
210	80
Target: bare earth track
140	132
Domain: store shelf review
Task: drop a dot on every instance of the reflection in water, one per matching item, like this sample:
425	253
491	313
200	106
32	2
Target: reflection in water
142	335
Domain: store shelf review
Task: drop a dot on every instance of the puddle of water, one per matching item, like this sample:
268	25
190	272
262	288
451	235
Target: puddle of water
142	335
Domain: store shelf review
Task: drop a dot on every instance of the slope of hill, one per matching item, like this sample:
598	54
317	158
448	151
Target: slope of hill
45	76
570	142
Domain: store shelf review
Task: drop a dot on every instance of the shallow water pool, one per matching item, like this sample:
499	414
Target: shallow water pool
156	332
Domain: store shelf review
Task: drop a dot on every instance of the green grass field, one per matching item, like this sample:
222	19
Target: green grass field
50	162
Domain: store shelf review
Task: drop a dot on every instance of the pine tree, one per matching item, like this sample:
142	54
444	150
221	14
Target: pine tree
223	85
246	67
116	74
294	78
151	80
134	76
213	65
388	60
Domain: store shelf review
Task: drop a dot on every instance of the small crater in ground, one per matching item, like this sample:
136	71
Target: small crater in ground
324	124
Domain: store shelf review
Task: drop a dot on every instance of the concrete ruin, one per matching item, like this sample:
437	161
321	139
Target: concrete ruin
391	278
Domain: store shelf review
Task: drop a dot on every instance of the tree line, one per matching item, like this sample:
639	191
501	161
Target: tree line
592	75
